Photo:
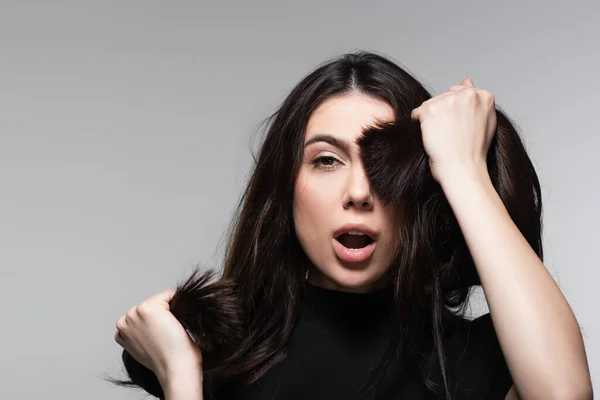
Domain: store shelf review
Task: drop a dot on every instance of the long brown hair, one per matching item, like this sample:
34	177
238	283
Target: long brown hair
242	321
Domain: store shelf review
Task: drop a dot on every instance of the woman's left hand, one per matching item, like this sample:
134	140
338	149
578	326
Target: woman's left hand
457	128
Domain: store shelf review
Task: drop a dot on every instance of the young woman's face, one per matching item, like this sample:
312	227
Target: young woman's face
332	197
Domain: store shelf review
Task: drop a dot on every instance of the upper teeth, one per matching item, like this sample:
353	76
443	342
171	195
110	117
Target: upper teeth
355	233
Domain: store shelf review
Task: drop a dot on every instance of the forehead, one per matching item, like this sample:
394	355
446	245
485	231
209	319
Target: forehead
346	116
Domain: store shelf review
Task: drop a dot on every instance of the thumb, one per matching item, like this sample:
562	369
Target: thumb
163	298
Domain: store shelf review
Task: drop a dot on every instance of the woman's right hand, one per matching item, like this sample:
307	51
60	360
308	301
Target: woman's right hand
158	341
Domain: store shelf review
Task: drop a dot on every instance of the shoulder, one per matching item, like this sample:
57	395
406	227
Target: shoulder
475	361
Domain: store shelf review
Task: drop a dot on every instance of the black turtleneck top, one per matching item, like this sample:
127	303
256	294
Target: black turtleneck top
339	337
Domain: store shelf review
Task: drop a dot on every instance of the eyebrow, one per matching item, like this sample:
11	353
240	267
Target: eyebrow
332	140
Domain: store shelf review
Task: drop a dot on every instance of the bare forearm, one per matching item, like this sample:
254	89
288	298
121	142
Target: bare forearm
190	393
184	385
537	330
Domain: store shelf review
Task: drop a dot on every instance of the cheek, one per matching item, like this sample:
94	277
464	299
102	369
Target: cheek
306	200
313	204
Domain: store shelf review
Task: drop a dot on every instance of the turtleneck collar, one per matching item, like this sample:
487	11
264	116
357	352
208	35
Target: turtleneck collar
347	309
375	297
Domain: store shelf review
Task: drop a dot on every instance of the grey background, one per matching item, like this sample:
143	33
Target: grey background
126	131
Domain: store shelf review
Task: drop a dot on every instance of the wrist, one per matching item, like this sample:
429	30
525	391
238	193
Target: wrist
183	392
459	175
183	382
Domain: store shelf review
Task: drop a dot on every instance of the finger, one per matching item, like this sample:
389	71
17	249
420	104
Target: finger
132	314
120	325
456	88
467	81
415	114
438	97
119	339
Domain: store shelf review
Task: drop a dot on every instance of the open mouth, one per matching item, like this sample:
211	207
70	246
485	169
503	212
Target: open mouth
354	240
353	246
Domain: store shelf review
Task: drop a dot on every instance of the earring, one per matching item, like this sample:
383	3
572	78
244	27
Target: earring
306	275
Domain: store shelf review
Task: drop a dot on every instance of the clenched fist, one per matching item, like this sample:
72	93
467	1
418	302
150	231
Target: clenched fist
158	341
457	128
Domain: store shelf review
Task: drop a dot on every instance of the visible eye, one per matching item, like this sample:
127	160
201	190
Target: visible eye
325	162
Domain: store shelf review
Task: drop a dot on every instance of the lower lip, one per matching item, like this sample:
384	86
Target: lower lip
353	255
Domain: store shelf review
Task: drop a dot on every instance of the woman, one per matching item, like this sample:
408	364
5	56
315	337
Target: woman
372	211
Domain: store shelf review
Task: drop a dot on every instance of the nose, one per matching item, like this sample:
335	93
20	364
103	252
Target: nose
358	190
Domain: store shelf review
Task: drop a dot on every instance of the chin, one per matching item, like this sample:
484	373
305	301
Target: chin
354	279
